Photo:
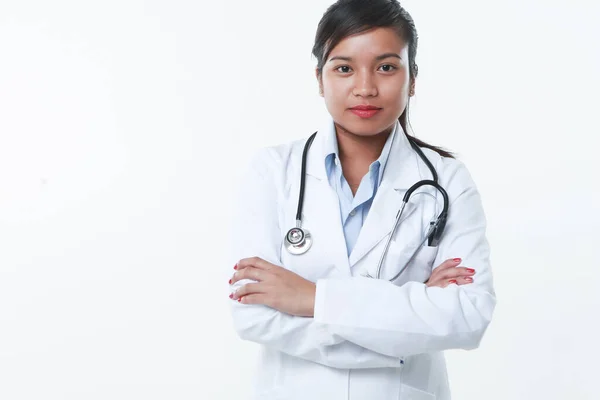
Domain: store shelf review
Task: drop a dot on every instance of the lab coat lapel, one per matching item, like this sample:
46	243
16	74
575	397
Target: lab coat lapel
321	206
401	172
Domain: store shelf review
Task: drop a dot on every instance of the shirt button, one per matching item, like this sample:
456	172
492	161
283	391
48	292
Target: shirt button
352	213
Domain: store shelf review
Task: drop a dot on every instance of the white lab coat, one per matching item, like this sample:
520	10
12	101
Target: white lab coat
369	338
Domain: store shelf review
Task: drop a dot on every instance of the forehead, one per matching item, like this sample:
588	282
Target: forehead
370	44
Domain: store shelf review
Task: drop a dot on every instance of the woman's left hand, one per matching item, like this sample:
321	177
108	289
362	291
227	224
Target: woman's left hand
276	287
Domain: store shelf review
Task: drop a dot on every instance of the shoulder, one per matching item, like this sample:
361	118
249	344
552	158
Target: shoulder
279	154
453	173
275	161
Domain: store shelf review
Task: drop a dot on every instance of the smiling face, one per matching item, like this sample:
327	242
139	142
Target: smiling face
370	68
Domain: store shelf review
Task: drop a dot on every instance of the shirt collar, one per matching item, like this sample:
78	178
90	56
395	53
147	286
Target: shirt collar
331	151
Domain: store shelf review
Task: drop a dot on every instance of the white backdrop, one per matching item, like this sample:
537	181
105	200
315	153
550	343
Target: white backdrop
124	124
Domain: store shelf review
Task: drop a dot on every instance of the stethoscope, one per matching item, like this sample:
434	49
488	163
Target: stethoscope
298	240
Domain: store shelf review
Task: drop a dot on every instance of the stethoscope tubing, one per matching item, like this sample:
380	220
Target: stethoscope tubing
298	245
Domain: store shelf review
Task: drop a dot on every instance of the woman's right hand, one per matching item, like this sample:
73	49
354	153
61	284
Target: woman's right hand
449	272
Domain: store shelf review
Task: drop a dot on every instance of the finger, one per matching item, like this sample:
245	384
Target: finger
449	263
249	288
247	273
256	298
464	280
455	272
461	280
441	282
246	262
255	262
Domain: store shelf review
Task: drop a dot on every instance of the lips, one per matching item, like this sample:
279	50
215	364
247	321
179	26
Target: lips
365	111
364	107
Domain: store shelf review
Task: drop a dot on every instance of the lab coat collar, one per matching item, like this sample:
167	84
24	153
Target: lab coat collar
401	172
331	150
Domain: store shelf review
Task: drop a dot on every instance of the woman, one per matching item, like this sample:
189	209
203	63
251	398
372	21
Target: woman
327	329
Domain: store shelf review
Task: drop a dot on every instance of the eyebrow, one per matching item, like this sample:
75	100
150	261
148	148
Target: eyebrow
378	58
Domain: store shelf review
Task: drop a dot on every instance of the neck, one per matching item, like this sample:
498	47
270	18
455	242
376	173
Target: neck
360	150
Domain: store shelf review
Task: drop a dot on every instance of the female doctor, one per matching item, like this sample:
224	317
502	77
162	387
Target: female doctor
353	279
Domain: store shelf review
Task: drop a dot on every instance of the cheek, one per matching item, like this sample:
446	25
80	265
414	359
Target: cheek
395	95
336	88
397	100
335	95
399	85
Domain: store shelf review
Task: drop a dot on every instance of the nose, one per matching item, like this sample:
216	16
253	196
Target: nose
364	85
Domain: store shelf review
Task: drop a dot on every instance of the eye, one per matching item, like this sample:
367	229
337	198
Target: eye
391	67
342	66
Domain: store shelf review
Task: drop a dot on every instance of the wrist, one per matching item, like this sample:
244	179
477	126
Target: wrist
311	305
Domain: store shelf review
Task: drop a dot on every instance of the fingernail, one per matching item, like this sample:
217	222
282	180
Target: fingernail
452	281
240	300
231	296
471	270
469	279
456	259
235	266
230	281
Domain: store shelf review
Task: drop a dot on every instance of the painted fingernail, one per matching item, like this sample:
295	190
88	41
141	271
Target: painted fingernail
469	279
471	270
452	281
235	266
230	281
240	300
456	259
231	296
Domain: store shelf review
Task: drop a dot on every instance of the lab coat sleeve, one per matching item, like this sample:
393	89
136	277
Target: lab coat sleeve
413	318
256	232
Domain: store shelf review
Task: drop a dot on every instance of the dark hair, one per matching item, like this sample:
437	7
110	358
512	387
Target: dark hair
349	17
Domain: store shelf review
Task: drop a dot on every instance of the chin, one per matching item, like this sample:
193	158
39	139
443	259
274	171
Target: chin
364	127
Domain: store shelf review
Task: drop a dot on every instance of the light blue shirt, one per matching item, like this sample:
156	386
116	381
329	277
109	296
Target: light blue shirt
354	208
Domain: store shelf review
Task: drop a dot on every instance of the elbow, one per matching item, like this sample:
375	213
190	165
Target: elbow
463	337
250	332
245	328
478	311
463	324
472	340
251	322
243	331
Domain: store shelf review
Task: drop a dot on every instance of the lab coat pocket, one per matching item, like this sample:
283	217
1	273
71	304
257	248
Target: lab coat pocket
412	393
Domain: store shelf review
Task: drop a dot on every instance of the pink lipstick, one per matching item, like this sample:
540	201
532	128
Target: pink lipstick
365	111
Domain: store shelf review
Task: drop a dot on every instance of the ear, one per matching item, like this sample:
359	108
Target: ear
319	81
411	90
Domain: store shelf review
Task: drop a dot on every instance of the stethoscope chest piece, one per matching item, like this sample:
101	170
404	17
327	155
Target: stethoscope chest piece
298	241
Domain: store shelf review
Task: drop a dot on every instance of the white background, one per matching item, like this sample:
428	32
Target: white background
124	124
